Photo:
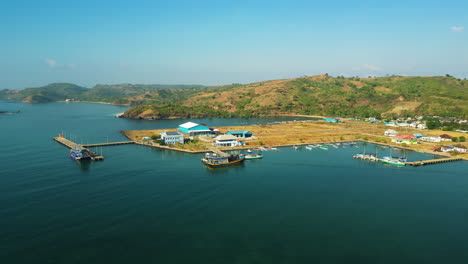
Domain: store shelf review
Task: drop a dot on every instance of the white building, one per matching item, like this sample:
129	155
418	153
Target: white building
390	133
171	138
430	139
460	149
422	126
227	141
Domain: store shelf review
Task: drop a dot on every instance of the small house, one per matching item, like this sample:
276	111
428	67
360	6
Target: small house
445	137
171	138
460	149
240	133
227	141
422	126
447	149
418	135
405	141
406	136
390	133
430	139
194	129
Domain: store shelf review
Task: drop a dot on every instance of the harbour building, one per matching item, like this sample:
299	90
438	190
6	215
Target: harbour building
171	138
194	129
227	141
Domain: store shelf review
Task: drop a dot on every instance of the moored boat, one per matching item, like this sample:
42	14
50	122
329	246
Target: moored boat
214	160
80	153
253	156
393	161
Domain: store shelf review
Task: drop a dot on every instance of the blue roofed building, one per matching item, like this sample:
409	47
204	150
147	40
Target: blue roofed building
240	133
418	135
331	119
194	129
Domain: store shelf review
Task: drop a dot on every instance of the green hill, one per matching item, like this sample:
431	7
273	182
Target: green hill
132	94
322	95
49	93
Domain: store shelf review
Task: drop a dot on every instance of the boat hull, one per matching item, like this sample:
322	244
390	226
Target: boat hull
251	157
219	165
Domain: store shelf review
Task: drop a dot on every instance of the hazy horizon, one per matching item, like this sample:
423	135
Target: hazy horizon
215	43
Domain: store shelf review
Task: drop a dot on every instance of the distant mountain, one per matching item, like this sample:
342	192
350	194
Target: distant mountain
132	94
49	93
321	95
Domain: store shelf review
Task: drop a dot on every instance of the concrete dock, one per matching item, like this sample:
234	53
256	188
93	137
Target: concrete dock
72	145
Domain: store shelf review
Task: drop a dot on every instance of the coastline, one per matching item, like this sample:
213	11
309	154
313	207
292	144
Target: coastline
298	133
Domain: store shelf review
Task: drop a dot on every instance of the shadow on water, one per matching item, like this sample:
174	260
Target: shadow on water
84	165
225	170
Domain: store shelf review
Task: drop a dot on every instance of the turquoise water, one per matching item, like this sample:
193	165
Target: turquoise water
143	205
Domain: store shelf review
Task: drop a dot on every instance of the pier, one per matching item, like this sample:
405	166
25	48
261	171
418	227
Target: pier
432	161
72	145
217	151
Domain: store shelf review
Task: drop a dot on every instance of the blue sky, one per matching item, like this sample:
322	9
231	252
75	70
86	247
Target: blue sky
221	42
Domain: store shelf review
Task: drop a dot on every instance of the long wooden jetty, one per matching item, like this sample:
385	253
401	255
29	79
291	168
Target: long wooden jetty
72	145
432	161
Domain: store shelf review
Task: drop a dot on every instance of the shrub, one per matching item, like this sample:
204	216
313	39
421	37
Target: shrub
454	139
461	139
260	143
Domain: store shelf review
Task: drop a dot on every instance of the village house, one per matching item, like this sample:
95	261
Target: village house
172	138
446	148
445	137
460	149
430	139
390	133
404	141
194	129
227	141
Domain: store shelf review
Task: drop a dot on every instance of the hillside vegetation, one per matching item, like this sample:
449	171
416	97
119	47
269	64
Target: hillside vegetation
130	94
321	95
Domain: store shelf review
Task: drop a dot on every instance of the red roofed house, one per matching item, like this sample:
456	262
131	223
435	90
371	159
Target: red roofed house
405	136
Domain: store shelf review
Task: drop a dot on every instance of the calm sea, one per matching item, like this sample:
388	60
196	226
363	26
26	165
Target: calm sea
143	205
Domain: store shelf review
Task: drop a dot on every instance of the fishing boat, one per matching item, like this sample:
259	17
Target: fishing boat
215	160
393	161
80	153
309	147
249	151
295	147
253	156
324	147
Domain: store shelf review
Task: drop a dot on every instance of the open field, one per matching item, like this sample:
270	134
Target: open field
306	132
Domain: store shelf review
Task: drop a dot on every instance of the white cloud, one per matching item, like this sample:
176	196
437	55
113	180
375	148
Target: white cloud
457	28
55	64
52	63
